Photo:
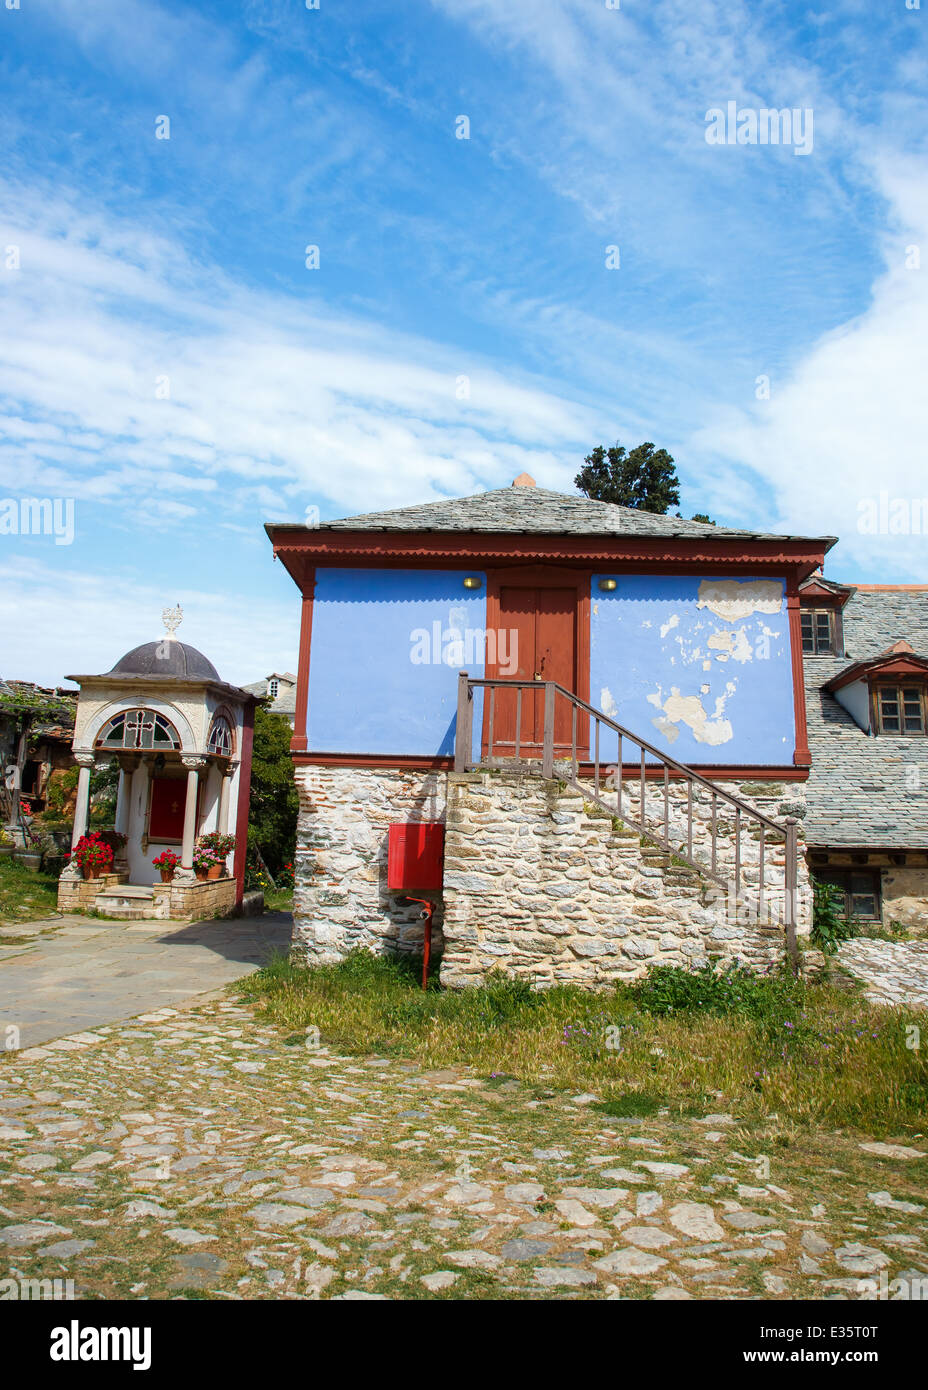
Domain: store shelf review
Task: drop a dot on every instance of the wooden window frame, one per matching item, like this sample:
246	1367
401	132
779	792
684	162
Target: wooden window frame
844	886
897	687
834	625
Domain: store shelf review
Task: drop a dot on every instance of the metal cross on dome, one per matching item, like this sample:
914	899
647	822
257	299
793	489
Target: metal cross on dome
172	619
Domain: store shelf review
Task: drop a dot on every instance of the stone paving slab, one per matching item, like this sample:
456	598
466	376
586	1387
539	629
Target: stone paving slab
203	1153
893	972
80	975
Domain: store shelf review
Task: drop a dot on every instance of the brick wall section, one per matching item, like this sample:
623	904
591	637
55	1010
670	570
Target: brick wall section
341	900
539	883
78	895
195	901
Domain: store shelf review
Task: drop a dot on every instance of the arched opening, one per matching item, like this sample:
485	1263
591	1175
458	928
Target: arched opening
221	740
137	729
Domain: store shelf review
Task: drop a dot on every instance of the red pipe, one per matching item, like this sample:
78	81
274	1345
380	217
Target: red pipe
427	937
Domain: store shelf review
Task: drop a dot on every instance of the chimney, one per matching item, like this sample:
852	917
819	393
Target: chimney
524	480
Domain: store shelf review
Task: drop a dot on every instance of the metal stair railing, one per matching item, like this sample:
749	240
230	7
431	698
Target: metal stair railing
654	816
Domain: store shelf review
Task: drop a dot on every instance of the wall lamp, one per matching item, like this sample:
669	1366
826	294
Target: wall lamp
473	581
607	585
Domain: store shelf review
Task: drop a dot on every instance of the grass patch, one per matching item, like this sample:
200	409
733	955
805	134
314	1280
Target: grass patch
26	894
632	1103
758	1045
278	899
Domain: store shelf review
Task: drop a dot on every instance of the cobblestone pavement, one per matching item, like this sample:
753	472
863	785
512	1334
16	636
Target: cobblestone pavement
70	973
197	1153
893	972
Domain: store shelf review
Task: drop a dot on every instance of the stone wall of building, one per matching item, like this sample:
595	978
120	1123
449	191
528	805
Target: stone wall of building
546	886
341	898
538	881
905	898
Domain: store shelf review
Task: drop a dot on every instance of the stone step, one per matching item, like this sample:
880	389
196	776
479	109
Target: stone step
128	890
131	902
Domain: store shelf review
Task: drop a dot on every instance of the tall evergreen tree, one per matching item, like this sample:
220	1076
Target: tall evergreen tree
644	478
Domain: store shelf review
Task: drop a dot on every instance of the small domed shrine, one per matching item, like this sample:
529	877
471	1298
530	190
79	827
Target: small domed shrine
182	740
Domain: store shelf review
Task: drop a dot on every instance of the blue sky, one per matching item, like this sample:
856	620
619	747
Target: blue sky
143	259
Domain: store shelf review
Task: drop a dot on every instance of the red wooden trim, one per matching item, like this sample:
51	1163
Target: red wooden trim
616	553
900	666
801	753
813	596
298	738
399	761
728	772
244	798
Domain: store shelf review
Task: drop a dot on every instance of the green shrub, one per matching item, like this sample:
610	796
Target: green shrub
829	928
669	989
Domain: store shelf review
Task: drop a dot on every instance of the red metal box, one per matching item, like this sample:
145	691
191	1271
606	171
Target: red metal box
416	854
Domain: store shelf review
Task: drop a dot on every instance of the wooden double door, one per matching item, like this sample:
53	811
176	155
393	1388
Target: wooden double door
540	620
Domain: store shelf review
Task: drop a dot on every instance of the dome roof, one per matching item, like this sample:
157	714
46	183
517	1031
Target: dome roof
166	658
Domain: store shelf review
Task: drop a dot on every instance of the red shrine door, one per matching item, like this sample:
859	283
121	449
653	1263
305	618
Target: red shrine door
536	622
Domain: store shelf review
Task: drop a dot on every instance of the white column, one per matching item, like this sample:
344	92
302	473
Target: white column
185	873
85	763
224	794
127	766
121	819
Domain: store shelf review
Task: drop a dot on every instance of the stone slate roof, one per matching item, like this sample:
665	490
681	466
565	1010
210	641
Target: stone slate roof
286	699
533	510
866	792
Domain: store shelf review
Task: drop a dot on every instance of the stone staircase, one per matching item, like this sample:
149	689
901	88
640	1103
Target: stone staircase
128	902
542	882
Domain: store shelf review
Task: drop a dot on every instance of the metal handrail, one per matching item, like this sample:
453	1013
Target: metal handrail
463	761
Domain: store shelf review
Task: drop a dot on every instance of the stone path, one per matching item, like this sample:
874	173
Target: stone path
198	1152
894	972
74	973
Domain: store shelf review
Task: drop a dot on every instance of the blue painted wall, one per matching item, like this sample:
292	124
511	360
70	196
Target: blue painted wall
382	677
698	667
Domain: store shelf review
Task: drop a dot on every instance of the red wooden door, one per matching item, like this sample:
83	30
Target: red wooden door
537	636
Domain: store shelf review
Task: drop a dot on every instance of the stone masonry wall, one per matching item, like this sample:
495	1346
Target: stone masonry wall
341	898
537	881
542	884
78	894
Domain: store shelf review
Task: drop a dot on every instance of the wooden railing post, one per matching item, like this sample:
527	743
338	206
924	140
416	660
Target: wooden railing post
790	890
464	730
547	758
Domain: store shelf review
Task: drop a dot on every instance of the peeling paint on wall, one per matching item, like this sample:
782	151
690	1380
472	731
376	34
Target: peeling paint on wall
732	599
703	663
690	710
731	644
607	704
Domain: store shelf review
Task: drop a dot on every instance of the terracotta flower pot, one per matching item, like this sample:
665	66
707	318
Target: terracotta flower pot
202	874
167	875
93	870
214	871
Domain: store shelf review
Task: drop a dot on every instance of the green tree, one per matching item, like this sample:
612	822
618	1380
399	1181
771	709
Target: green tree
644	478
274	799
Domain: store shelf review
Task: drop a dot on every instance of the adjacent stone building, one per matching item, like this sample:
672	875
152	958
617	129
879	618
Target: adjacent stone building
866	672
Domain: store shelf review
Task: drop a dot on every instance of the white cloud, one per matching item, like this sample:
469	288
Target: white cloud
851	418
90	618
102	317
